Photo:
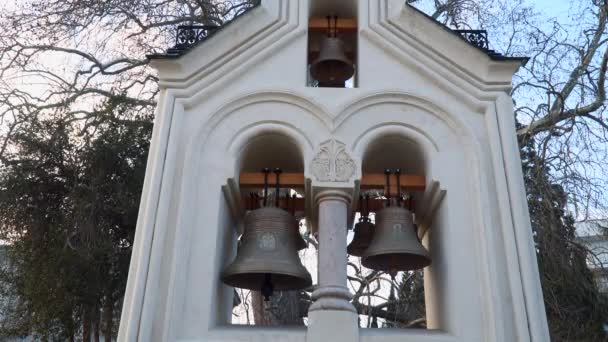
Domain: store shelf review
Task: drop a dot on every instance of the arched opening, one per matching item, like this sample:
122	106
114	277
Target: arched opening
394	152
333	44
386	300
272	151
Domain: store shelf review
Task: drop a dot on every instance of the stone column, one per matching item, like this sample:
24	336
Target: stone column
332	307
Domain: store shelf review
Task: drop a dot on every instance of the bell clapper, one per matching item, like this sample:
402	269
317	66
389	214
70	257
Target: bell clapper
267	289
392	269
277	172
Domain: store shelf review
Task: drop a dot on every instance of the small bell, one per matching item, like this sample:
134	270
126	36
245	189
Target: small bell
332	66
395	245
363	232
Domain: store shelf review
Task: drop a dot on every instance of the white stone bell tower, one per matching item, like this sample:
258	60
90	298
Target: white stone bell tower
433	102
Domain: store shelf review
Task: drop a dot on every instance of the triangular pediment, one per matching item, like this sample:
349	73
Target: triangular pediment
402	31
421	42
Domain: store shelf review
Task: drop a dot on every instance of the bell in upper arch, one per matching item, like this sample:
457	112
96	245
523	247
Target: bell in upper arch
332	66
363	234
395	245
267	258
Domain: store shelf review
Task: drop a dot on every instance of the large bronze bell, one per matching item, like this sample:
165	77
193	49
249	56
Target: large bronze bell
332	65
395	245
267	258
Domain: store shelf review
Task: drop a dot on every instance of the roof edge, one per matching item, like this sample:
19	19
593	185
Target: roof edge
475	38
189	37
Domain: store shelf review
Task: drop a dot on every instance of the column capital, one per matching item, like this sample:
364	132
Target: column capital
333	195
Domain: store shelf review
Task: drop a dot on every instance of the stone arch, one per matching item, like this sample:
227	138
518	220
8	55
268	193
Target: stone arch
222	147
303	122
418	136
427	128
315	111
397	97
409	149
275	144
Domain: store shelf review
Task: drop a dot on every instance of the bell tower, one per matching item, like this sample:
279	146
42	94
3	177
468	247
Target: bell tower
333	149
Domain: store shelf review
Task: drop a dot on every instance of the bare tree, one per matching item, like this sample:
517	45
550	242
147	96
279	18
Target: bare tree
65	59
561	93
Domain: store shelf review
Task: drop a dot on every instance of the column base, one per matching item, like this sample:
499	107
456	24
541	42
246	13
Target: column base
332	325
336	298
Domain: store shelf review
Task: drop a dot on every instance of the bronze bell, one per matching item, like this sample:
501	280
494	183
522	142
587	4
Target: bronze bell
395	245
267	258
364	232
332	65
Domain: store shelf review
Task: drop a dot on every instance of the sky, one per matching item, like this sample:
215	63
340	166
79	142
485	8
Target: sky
554	8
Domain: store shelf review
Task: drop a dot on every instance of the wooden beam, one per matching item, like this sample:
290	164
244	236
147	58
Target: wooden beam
344	24
292	180
369	181
300	204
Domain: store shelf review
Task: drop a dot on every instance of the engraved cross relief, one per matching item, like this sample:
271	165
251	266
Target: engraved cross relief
332	163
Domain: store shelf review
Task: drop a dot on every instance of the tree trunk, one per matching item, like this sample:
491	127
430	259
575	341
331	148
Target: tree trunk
97	321
108	316
86	324
260	315
282	309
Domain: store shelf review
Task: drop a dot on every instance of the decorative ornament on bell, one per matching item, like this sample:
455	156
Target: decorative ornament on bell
267	258
332	66
395	245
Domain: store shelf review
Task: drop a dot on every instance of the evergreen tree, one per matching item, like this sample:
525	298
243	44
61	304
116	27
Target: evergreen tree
68	208
576	310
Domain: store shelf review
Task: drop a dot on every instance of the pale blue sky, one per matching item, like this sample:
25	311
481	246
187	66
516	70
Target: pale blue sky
553	8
